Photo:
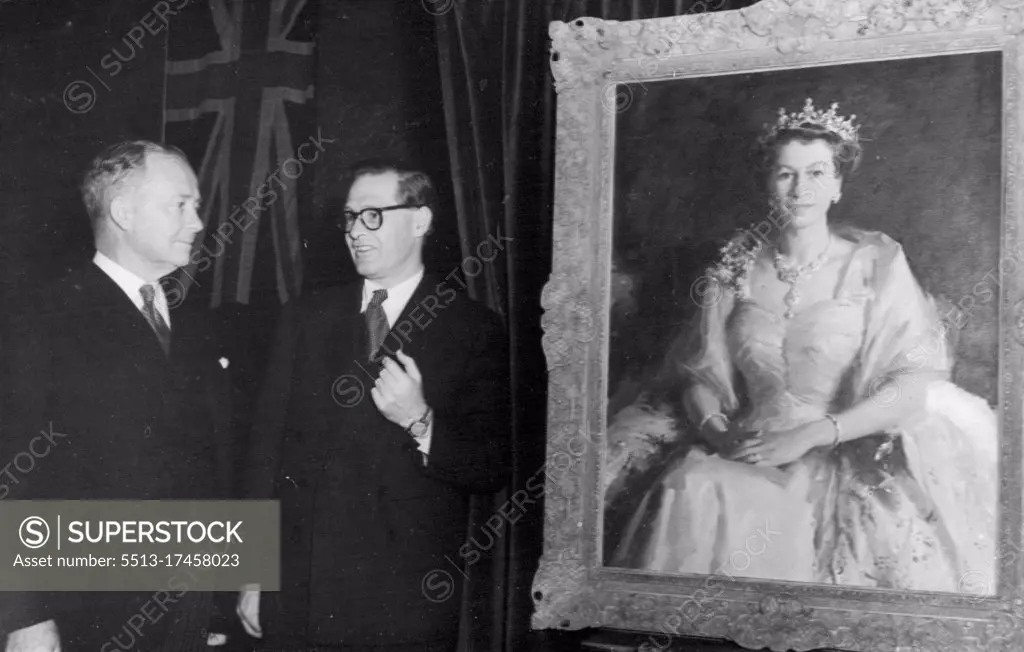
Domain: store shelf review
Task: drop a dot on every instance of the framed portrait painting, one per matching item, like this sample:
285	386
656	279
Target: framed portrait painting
784	327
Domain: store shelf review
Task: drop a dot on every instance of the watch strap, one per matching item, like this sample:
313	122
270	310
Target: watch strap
424	420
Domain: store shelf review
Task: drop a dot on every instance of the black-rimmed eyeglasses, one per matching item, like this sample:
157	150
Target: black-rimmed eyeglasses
372	218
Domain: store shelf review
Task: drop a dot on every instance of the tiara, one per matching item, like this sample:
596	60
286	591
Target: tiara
831	120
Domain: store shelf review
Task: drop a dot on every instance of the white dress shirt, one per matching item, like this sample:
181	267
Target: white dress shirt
130	283
398	297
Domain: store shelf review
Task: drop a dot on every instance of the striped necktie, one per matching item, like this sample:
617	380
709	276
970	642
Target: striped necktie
377	327
155	319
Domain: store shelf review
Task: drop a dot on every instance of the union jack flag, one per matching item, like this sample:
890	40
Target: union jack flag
238	100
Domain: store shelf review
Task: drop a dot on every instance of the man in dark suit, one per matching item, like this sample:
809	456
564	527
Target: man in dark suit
386	407
139	394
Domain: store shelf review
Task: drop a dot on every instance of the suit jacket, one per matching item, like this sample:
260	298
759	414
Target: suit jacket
140	425
364	520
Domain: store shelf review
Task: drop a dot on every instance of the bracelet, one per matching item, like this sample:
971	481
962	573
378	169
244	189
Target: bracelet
839	429
704	421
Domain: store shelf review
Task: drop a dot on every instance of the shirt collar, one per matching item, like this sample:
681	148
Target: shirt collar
130	283
398	295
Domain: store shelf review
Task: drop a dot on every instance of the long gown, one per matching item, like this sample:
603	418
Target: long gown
913	508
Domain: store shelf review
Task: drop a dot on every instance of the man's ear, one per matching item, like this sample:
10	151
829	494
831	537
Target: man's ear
423	220
121	212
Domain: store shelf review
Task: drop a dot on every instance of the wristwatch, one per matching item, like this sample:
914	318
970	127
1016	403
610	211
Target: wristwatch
418	428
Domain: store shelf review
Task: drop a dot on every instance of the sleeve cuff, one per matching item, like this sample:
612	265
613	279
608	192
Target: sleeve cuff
424	444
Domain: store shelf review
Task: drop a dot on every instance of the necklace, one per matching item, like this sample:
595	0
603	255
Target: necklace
793	274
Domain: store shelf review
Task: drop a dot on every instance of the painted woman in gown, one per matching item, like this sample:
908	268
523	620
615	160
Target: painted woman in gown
817	436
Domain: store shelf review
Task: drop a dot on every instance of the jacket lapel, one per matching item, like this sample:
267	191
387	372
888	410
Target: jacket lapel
342	330
193	359
118	318
404	332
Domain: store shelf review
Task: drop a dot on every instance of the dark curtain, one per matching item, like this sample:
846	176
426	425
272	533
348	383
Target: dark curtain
500	116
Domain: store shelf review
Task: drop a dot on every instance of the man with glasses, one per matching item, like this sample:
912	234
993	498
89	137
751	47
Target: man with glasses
386	407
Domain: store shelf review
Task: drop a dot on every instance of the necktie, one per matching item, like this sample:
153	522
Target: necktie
377	327
155	319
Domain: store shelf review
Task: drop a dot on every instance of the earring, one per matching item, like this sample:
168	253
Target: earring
835	200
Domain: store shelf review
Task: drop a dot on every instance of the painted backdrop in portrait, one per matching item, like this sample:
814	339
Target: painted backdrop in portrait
686	179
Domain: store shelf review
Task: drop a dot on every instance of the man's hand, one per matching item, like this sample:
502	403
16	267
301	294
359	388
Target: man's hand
248	609
42	637
398	393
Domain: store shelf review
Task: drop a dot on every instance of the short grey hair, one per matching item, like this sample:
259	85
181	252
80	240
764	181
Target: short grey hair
112	167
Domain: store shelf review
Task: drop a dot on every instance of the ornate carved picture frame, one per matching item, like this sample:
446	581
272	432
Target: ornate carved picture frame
652	118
